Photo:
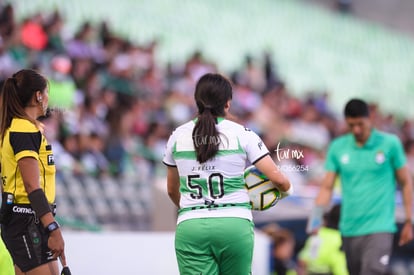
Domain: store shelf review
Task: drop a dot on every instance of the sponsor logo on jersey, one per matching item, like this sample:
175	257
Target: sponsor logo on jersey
22	210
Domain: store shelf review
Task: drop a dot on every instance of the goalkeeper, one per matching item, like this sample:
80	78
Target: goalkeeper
369	163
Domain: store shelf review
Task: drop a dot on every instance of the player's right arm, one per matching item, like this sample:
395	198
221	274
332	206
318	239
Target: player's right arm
267	166
322	200
324	196
258	154
173	185
173	177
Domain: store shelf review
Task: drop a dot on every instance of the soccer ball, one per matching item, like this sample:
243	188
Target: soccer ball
262	192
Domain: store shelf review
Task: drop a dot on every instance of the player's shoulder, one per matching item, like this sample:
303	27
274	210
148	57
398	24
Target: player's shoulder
182	130
386	137
342	140
189	125
23	125
233	126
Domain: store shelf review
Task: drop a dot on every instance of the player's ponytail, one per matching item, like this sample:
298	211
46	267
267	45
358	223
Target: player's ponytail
213	91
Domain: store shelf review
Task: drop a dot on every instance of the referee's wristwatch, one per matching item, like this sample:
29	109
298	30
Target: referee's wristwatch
52	227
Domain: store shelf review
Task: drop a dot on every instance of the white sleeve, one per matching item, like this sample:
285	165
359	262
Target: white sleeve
255	147
168	153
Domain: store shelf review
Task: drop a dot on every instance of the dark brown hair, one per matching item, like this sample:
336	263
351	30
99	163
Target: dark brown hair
356	108
16	94
212	93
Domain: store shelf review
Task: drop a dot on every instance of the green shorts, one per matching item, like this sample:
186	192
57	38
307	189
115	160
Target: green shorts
209	246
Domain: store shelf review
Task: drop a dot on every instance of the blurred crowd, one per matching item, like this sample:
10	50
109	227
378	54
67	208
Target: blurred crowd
113	105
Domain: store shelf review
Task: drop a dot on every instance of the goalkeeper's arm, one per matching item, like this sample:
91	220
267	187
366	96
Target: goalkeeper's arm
325	192
322	201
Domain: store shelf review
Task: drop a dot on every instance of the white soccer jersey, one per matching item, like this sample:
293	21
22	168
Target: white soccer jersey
213	188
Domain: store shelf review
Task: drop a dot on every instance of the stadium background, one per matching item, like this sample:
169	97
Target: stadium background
321	55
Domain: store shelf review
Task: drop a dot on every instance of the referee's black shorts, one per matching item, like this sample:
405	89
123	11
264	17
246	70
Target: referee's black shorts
26	239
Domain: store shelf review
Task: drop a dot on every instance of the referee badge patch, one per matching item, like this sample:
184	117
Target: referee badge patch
50	160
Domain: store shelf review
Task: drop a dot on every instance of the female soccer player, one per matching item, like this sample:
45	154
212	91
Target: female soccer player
206	158
29	229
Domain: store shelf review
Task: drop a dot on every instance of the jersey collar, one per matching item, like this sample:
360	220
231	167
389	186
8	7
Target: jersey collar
371	140
218	119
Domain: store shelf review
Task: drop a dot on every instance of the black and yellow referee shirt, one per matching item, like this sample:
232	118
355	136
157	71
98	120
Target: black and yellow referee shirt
24	139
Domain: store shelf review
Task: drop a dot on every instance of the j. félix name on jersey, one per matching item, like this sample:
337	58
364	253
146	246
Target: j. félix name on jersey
204	167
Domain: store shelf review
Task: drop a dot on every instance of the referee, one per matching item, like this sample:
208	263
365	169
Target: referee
28	227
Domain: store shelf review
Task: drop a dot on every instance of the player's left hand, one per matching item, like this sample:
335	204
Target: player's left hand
406	234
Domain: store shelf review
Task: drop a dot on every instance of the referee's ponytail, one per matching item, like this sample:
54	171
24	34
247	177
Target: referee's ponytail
213	91
16	94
